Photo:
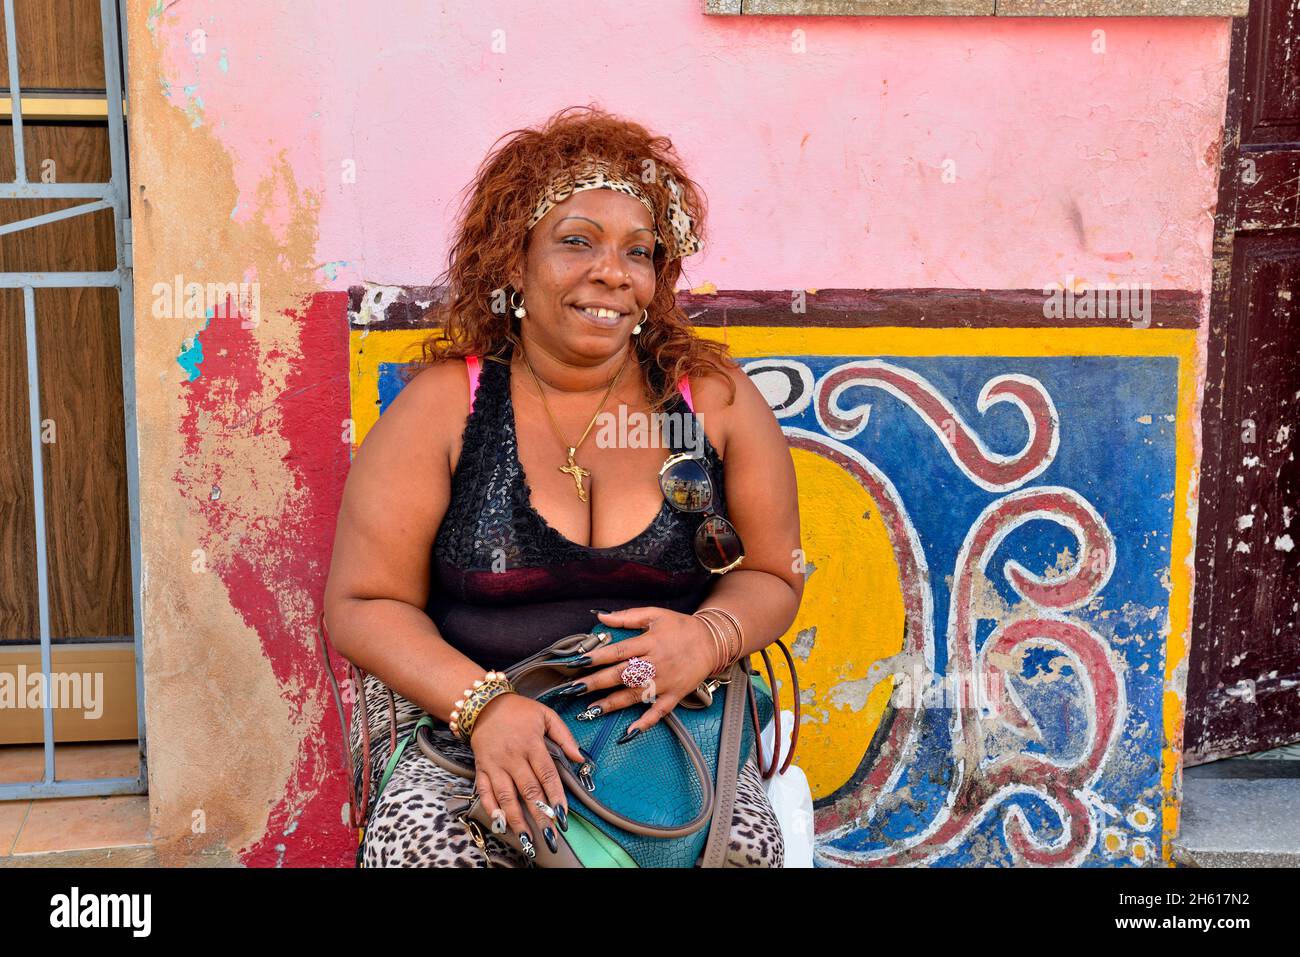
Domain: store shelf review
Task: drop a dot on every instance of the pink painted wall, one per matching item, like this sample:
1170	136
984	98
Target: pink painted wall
823	169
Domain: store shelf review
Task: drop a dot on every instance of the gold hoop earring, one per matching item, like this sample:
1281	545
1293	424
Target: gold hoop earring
645	317
519	309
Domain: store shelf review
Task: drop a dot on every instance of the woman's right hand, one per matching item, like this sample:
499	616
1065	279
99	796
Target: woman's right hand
517	779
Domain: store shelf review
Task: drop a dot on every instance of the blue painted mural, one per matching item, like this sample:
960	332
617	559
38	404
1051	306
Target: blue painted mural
1032	523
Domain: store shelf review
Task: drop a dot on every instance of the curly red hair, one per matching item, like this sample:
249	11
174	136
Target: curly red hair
491	238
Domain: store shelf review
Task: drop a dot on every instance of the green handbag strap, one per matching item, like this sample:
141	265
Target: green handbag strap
593	847
425	722
389	768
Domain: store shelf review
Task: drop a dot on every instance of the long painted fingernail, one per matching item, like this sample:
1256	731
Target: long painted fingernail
544	808
595	711
600	611
526	843
579	662
498	821
629	736
569	691
562	817
550	840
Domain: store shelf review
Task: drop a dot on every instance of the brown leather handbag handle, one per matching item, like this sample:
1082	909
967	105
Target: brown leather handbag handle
798	707
360	801
769	771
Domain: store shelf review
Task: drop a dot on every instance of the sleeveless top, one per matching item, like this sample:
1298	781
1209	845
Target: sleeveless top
505	583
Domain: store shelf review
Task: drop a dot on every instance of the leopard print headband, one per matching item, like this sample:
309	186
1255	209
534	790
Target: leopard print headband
597	174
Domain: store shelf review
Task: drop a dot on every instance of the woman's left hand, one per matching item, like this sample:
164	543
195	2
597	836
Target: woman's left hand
680	648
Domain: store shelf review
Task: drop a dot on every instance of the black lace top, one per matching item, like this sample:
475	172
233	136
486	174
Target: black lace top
505	583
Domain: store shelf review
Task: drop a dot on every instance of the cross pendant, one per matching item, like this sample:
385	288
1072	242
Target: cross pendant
578	473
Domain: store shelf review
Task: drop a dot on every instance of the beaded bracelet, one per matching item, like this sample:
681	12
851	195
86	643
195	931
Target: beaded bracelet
467	709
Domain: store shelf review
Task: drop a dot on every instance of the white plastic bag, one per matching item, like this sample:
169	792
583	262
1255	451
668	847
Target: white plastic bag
790	796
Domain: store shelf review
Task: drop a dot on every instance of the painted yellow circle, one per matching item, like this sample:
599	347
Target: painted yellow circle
851	616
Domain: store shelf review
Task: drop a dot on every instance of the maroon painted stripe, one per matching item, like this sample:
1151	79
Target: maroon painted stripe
836	308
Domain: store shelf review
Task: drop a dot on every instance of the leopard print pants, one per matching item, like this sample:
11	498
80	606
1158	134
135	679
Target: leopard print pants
409	826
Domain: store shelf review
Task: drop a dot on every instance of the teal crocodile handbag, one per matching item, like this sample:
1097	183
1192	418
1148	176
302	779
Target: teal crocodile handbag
658	800
650	779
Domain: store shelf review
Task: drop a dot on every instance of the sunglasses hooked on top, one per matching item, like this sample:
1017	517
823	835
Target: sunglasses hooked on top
687	487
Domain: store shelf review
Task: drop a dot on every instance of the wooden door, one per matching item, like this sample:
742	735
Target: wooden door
1243	686
60	57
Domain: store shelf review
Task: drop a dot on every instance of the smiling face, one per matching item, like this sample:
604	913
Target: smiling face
588	273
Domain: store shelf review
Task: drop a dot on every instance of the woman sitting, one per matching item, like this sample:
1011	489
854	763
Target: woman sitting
493	510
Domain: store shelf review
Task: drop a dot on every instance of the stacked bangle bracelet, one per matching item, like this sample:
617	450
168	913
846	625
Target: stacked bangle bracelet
467	709
728	636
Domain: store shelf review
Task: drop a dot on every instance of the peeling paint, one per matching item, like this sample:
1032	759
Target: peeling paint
803	643
242	461
191	355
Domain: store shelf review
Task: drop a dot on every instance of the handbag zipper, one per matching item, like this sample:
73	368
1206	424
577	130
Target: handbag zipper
589	766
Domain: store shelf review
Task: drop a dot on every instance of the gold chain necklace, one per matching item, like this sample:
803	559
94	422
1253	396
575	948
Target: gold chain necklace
571	467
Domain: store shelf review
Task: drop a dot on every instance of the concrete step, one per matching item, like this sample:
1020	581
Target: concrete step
1241	812
74	832
140	855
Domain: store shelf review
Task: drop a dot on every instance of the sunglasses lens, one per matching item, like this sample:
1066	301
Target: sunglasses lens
716	543
686	486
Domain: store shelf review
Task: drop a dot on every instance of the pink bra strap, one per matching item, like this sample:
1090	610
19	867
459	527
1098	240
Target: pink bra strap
472	367
684	387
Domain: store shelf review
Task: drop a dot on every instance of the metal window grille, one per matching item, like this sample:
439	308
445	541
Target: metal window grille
111	195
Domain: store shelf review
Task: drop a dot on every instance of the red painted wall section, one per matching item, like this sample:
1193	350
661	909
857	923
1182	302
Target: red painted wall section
277	591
